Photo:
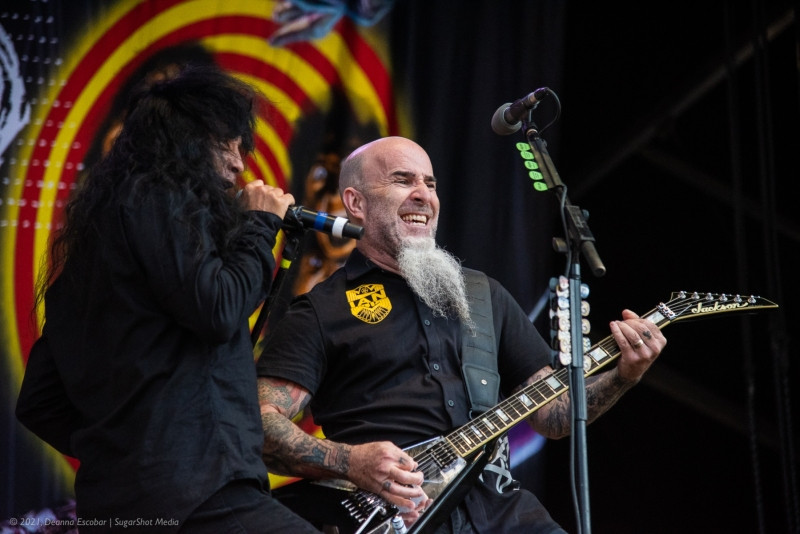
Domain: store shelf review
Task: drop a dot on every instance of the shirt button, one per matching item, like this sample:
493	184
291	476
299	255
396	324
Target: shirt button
426	322
451	403
435	366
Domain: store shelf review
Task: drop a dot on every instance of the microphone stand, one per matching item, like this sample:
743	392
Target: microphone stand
292	235
578	239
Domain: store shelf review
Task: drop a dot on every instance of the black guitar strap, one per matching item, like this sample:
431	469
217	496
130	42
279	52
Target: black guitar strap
478	349
479	366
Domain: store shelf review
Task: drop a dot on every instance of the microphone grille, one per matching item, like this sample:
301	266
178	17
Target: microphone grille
499	123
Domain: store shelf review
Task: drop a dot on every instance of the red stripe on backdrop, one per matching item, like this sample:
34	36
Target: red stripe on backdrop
272	162
247	64
365	56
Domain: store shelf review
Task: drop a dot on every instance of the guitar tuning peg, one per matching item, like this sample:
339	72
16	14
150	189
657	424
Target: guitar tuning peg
695	295
584	291
723	297
709	296
752	299
737	299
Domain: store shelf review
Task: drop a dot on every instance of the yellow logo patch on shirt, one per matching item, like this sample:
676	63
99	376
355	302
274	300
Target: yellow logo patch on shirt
369	303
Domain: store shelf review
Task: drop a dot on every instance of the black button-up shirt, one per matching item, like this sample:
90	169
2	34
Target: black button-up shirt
380	365
145	371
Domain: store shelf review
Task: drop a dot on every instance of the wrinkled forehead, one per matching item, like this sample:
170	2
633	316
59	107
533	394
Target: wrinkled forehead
399	156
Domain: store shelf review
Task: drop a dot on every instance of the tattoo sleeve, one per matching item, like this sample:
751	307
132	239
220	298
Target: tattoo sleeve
288	450
554	419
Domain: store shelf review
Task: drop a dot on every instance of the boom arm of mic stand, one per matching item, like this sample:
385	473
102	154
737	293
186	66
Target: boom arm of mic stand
581	234
576	218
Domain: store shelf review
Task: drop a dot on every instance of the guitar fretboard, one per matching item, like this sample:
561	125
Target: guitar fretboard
479	431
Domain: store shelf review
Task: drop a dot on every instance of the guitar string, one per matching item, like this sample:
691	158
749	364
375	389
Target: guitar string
543	391
427	459
609	346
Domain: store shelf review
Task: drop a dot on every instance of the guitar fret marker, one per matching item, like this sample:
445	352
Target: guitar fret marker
598	354
501	414
525	400
554	383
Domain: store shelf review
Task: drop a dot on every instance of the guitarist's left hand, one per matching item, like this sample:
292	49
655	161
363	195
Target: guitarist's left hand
640	342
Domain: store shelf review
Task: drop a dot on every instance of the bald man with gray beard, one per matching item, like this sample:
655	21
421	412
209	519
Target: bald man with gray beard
375	352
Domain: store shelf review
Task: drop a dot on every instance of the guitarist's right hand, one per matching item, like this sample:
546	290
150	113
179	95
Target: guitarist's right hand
386	470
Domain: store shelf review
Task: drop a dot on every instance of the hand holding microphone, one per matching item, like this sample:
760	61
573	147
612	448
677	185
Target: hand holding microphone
256	195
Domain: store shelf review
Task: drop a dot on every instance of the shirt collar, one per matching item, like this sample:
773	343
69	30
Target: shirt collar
357	265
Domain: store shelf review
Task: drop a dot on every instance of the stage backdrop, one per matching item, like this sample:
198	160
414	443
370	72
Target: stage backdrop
335	74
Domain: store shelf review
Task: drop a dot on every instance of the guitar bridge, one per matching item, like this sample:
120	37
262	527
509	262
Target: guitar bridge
363	506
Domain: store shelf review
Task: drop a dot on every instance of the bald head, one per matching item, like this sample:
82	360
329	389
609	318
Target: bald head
354	171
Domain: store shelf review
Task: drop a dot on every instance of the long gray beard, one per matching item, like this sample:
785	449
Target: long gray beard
435	276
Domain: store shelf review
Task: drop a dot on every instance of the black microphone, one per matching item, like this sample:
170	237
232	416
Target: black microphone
300	217
507	119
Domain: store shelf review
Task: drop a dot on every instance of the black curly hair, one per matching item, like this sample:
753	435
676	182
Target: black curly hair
173	131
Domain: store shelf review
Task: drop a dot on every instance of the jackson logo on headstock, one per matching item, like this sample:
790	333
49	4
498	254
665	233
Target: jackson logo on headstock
719	306
369	303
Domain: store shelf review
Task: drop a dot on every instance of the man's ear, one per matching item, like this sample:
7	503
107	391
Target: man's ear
353	202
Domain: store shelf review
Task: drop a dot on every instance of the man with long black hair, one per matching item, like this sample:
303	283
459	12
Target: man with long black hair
144	370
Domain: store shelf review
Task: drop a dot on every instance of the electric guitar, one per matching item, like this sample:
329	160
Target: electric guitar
452	462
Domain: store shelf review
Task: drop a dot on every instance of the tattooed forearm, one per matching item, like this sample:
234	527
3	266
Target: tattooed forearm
603	391
554	419
290	451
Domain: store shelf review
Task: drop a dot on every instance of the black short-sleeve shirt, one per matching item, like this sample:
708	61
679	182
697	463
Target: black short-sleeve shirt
377	362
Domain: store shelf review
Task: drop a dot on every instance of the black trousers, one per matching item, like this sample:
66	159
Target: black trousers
243	507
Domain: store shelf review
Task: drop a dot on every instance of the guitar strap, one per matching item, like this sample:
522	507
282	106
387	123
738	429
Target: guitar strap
479	366
478	349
